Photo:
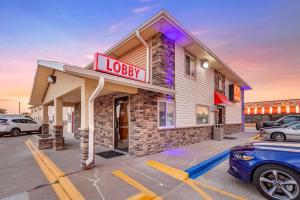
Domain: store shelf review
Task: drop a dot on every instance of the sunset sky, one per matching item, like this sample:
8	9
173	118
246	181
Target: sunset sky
259	39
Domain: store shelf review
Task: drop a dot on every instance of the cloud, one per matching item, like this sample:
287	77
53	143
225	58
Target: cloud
141	10
199	32
89	56
115	27
145	1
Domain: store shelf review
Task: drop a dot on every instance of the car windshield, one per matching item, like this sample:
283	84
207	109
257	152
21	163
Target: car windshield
290	124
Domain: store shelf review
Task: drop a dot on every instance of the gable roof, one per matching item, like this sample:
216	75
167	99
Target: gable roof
163	22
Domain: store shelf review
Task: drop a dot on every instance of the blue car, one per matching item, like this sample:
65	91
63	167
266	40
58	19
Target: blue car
273	167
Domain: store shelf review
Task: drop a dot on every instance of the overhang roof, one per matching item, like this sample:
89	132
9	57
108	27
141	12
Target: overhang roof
46	68
163	22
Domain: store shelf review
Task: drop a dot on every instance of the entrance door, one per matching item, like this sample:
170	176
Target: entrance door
220	115
121	124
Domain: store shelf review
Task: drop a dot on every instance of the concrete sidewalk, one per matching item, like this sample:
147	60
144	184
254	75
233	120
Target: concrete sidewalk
100	183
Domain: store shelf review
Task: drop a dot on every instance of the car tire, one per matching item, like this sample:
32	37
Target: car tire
263	181
278	137
40	130
15	132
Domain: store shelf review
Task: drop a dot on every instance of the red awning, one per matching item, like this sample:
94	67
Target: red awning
221	99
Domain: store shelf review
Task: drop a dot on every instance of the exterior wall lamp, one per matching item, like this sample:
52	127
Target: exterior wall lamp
51	79
204	63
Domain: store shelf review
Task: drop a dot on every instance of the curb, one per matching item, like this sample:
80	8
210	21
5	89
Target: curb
203	167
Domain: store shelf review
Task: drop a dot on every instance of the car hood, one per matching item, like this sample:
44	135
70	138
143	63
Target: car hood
268	146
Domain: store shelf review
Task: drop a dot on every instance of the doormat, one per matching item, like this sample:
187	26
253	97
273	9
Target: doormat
109	154
229	138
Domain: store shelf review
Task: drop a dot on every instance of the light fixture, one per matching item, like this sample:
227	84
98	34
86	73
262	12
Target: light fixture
51	79
204	64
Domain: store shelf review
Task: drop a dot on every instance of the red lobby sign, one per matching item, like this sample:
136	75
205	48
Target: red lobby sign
115	67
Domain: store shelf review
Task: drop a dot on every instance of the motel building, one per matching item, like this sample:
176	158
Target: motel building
270	110
156	89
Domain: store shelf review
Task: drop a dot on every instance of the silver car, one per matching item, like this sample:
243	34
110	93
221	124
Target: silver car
281	134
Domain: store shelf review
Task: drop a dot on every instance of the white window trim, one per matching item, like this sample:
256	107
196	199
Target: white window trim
195	59
208	122
166	127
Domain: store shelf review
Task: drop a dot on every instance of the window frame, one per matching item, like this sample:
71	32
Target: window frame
220	81
208	120
166	115
195	60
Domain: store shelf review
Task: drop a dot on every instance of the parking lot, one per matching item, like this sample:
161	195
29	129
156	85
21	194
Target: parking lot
158	176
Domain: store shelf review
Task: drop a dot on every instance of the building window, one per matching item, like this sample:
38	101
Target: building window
190	66
220	83
166	114
202	114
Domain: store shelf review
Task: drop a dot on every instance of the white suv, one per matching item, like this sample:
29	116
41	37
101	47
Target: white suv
16	126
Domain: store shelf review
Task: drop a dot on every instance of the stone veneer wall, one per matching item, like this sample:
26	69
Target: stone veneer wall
145	138
163	61
77	121
232	128
104	120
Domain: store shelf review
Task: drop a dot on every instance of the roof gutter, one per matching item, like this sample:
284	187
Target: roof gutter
91	120
147	53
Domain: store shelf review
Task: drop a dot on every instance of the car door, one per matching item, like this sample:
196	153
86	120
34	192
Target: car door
31	125
21	124
293	133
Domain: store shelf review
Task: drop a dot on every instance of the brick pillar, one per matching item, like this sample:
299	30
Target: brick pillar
58	142
45	129
84	150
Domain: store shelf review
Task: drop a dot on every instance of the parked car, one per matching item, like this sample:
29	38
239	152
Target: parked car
16	125
282	134
14	115
274	168
281	126
279	122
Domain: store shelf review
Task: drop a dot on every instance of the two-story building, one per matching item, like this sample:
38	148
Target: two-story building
157	88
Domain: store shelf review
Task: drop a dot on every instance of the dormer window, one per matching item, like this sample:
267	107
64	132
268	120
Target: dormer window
190	66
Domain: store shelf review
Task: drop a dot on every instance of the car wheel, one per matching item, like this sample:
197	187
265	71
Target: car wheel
15	132
277	182
278	137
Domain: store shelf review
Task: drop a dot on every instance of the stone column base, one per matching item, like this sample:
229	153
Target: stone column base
45	129
58	142
84	150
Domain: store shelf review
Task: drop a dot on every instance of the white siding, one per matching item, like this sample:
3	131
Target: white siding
136	56
233	114
190	92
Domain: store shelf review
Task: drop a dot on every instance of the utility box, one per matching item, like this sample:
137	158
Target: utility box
218	132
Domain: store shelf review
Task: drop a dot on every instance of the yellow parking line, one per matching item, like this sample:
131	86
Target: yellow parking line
145	192
178	174
254	137
53	173
237	197
175	173
51	178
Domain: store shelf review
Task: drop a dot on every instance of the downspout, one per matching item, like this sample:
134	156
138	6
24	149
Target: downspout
91	120
147	52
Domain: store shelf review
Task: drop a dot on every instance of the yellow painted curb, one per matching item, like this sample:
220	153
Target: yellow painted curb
176	173
59	175
140	196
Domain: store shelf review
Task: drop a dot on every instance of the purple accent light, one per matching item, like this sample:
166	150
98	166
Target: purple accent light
175	152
